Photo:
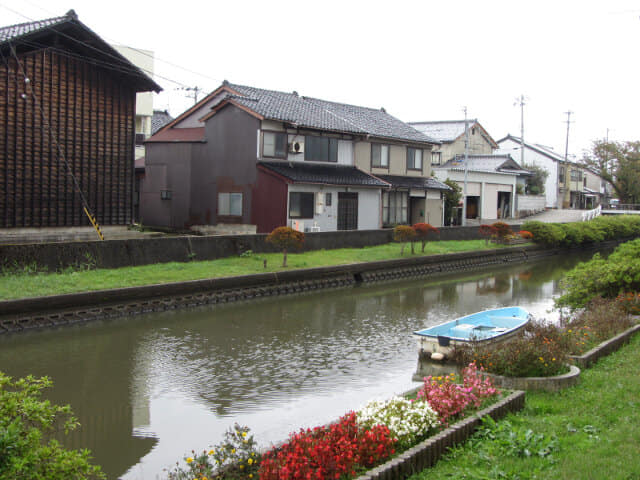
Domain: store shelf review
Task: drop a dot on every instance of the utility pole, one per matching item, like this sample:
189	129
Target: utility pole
193	95
566	154
521	101
466	168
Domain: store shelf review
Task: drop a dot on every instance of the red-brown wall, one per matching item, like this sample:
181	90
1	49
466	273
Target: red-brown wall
269	207
91	113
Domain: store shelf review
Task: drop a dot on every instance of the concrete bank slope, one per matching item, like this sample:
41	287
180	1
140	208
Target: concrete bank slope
50	311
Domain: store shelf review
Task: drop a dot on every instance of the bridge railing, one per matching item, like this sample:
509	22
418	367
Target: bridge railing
622	206
591	214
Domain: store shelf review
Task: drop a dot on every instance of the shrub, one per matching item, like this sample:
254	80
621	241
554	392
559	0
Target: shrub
487	231
620	272
573	235
407	421
403	234
449	399
548	234
285	238
629	302
27	424
539	351
502	231
526	235
423	230
328	452
235	458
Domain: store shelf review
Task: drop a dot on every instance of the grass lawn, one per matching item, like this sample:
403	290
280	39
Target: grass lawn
24	284
591	431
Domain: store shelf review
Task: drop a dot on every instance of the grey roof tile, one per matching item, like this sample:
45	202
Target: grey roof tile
159	119
13	32
443	131
327	174
486	163
323	115
414	182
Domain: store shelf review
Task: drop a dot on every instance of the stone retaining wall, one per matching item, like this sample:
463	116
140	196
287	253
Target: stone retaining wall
428	452
548	384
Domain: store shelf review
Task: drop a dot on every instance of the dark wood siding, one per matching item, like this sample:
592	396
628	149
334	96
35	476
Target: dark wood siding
91	113
269	209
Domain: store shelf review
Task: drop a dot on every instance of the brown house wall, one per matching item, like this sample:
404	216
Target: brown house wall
91	115
269	209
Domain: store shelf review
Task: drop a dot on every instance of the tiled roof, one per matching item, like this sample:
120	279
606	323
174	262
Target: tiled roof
445	131
323	115
13	32
547	151
326	174
32	35
178	135
486	163
414	182
159	119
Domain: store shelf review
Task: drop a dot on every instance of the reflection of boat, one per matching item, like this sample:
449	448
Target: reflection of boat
491	326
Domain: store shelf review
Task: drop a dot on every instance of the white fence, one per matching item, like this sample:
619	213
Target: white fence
591	214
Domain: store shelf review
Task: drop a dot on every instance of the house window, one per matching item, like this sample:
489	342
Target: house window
436	158
414	159
562	176
230	204
327	199
379	155
576	175
165	194
584	184
274	144
394	207
321	149
300	205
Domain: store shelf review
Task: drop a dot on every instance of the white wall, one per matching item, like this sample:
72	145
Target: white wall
531	157
369	207
142	59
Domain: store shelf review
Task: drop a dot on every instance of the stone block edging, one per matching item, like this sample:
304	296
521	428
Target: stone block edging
605	348
429	451
549	384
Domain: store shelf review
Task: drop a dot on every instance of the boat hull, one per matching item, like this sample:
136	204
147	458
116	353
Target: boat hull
488	327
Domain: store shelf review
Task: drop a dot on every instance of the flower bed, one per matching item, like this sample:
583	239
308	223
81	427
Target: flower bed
358	441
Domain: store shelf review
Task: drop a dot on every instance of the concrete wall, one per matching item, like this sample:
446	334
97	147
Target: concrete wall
530	204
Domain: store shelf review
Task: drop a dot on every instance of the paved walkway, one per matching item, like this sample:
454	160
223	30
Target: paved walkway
548	216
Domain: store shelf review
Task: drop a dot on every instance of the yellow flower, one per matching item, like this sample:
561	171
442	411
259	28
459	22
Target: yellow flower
189	460
241	467
553	359
233	450
245	441
211	452
251	475
250	461
244	434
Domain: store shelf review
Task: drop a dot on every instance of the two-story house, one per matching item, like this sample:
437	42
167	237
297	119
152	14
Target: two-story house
568	185
249	156
451	135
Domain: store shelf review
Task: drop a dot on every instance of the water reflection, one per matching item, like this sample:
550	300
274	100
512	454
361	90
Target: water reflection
150	388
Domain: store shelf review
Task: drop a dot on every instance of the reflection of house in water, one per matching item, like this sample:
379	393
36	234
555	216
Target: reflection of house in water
497	284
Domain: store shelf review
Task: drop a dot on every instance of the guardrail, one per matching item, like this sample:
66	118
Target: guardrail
591	214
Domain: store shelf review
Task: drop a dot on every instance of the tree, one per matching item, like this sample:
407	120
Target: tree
27	424
619	164
422	232
451	199
535	183
286	238
403	234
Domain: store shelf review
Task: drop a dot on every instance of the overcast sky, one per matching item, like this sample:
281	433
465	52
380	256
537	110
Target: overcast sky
419	60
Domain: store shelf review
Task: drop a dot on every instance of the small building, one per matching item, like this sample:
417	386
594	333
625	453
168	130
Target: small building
491	184
247	158
67	114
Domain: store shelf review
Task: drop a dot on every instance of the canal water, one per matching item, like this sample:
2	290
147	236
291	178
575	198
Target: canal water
148	389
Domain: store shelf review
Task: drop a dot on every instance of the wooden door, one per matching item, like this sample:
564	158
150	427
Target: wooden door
347	211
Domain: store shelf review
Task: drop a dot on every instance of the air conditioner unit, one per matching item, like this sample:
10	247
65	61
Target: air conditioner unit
296	147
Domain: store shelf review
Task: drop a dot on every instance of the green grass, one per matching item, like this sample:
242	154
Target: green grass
591	431
26	283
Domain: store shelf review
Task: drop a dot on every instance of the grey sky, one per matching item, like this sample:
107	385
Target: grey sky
419	60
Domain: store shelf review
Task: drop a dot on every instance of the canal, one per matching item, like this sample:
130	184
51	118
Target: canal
150	388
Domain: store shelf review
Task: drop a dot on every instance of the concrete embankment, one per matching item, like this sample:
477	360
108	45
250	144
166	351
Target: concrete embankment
51	311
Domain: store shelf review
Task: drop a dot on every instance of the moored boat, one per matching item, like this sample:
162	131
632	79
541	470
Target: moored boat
491	326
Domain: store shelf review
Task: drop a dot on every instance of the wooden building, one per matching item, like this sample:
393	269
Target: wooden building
67	125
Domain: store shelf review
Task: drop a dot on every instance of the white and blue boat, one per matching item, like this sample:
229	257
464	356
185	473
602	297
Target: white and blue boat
491	326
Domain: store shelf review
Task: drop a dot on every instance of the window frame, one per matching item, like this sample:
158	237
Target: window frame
311	139
382	147
438	155
229	203
392	204
303	212
276	133
412	158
